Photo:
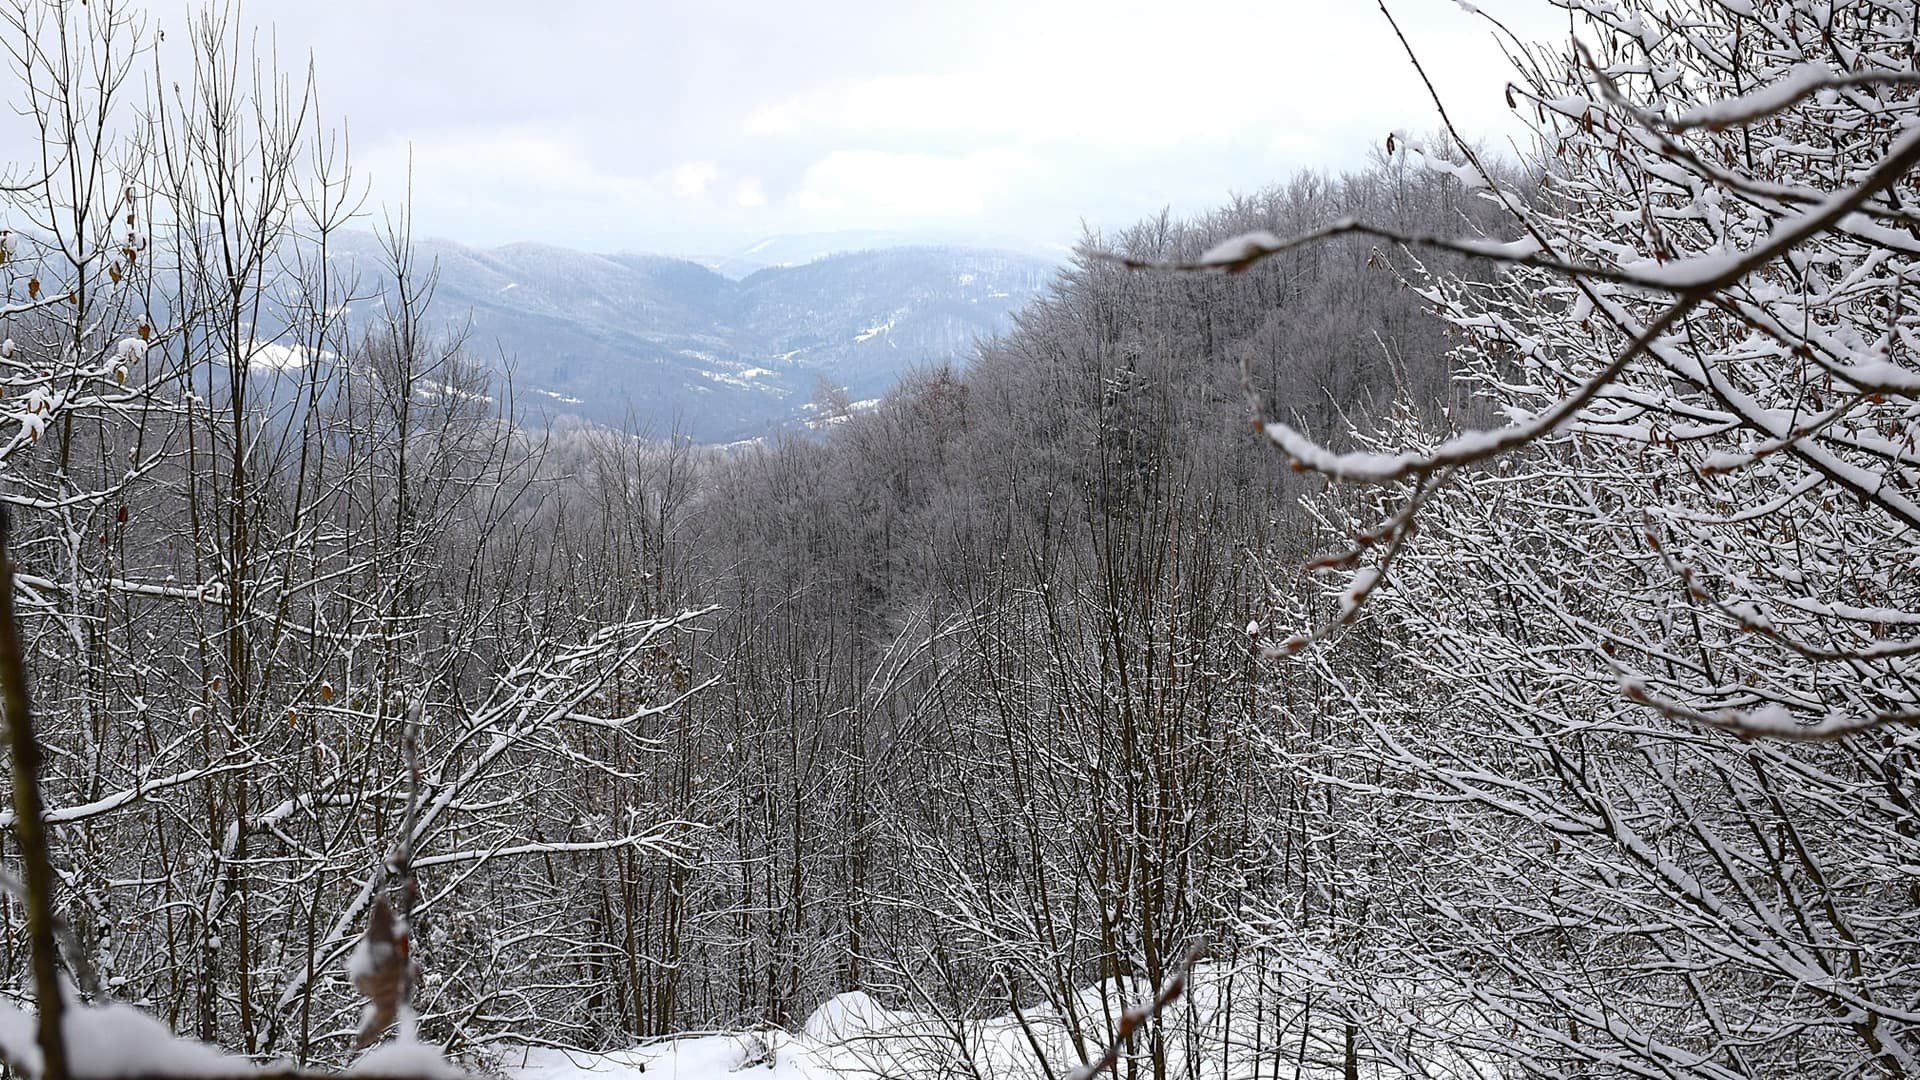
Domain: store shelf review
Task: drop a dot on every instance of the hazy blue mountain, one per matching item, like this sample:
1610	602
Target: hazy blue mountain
800	248
657	339
796	249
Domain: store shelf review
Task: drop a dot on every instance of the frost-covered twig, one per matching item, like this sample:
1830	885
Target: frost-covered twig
382	966
1772	721
28	827
1685	287
1131	1020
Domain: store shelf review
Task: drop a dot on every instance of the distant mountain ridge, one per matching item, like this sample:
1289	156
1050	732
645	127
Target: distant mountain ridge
667	341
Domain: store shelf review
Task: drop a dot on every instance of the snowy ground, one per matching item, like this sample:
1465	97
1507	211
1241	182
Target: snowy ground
849	1036
1227	1026
1221	1033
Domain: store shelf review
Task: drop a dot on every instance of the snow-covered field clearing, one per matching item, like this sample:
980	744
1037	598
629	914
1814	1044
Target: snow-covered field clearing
1221	1029
1227	1024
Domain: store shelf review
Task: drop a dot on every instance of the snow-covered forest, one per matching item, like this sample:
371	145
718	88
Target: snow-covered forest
1532	689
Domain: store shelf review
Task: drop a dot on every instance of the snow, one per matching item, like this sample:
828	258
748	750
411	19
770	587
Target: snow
846	1015
435	391
853	1036
115	1040
745	378
1238	250
363	961
97	807
273	356
1776	720
406	1056
1468	175
1512	249
1357	591
1724	461
1802	80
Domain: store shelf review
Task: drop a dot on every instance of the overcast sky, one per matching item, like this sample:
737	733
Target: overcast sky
701	127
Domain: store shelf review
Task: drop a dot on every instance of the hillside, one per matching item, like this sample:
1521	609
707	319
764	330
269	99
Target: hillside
659	340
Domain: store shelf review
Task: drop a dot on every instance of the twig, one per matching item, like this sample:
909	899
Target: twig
77	961
1131	1020
28	825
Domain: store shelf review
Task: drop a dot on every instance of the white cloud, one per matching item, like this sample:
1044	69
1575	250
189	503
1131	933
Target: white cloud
1060	105
477	166
886	187
490	187
1218	75
690	179
1028	117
